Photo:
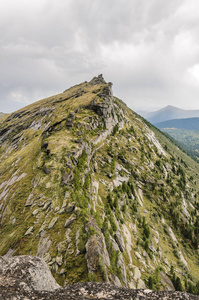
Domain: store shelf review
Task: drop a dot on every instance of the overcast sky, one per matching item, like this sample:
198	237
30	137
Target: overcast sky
148	49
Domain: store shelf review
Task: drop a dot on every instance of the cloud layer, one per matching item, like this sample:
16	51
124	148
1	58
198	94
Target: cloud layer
148	49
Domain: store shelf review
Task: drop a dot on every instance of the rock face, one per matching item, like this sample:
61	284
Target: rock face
28	272
28	278
97	253
103	105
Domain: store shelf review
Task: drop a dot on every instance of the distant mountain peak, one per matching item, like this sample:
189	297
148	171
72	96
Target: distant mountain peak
171	107
170	112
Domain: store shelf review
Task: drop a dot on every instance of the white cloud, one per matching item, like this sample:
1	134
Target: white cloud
193	75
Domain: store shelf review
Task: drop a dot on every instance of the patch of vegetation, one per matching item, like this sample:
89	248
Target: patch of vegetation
154	281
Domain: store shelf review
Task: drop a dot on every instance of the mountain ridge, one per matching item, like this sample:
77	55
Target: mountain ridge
98	193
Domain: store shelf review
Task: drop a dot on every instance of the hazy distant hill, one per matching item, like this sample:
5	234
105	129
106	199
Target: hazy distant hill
3	116
189	123
185	132
168	113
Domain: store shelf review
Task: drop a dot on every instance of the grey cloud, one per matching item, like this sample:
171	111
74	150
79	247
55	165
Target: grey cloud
146	48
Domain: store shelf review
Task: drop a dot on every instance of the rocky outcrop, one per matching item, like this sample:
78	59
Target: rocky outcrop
70	120
97	80
28	278
103	105
96	252
119	240
27	272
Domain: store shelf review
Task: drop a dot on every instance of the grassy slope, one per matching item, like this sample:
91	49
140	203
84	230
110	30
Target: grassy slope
24	156
187	139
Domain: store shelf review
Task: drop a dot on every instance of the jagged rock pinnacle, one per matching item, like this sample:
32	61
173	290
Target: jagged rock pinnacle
97	80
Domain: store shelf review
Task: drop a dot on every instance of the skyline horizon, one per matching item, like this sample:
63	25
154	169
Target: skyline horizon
147	108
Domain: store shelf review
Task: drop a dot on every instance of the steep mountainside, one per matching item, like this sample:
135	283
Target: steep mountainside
169	113
98	193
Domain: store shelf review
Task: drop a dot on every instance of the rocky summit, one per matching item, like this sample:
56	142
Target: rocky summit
99	194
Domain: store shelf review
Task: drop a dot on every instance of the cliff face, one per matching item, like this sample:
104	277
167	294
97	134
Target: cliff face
98	193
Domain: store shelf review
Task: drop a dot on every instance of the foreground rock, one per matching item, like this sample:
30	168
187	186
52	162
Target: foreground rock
26	272
27	277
